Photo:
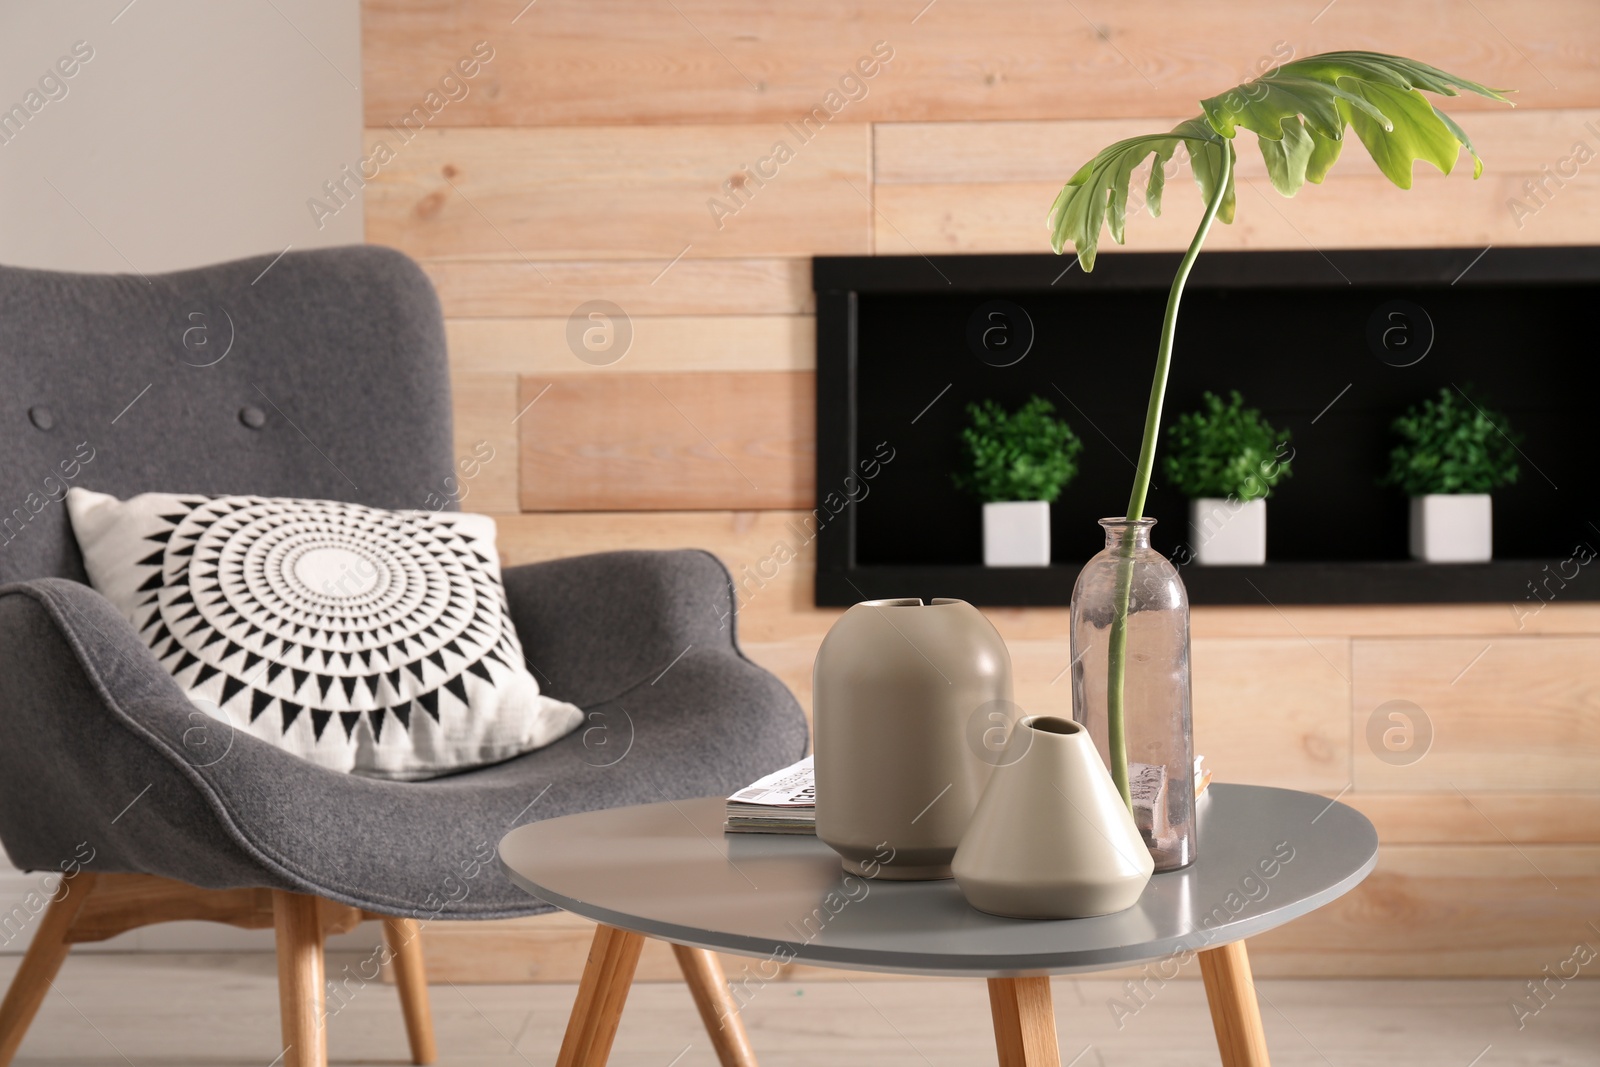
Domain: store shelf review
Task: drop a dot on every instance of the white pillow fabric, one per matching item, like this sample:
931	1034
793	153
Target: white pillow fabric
369	641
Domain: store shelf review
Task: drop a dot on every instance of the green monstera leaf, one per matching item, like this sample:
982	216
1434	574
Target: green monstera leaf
1299	113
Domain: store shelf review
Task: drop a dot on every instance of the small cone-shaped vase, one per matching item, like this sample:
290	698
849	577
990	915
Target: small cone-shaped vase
1051	837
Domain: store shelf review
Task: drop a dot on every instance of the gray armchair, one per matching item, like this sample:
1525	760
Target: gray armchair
319	374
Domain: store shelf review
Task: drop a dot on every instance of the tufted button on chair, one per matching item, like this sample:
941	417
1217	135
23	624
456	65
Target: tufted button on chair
320	374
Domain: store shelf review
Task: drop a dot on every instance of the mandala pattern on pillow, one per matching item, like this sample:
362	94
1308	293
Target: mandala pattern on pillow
371	641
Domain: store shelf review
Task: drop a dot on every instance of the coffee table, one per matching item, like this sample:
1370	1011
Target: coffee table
667	871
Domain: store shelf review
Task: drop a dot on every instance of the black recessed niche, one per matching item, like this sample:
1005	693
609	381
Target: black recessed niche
1331	347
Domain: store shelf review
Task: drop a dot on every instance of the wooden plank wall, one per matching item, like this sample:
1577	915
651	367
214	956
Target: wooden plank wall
625	151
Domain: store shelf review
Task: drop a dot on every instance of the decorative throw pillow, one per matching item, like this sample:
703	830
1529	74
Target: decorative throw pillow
369	641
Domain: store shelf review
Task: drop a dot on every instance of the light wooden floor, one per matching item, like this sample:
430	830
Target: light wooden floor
139	1010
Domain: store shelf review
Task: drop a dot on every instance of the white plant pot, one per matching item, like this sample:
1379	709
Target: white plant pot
1226	532
1016	534
1452	528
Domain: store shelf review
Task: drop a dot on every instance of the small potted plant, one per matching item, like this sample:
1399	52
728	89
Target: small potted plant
1452	454
1226	459
1017	464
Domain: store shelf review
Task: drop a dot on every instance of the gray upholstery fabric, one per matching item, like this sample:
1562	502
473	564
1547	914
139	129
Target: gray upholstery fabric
340	350
98	744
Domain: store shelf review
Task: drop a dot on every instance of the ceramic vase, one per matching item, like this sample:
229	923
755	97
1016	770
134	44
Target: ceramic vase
898	688
1051	837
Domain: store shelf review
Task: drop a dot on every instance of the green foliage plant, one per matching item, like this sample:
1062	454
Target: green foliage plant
1225	450
1299	112
1026	455
1452	445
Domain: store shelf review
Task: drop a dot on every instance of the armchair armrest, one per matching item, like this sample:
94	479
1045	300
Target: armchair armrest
97	740
593	627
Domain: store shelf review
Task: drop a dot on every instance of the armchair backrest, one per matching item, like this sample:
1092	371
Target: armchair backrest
317	374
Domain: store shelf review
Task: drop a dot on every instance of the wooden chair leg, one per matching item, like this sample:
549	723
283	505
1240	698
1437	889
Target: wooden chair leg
302	990
404	937
39	966
1235	1015
613	957
702	970
1024	1022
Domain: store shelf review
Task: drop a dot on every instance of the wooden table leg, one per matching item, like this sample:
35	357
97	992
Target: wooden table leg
1235	1015
613	957
702	970
1024	1022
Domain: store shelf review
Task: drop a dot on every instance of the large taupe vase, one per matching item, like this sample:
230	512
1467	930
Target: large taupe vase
902	693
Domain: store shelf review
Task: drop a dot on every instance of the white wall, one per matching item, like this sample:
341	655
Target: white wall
194	134
189	132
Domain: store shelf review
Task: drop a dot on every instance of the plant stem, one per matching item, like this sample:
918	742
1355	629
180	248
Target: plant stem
1117	649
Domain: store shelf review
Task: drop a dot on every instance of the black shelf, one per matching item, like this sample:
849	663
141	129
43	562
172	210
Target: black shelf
1303	333
1272	584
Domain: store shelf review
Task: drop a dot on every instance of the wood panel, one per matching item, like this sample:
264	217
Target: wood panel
640	192
654	441
509	286
1514	714
773	607
923	153
1486	819
1273	711
736	537
1312	621
933	153
704	61
671	343
1446	911
1399	620
484	405
1354	212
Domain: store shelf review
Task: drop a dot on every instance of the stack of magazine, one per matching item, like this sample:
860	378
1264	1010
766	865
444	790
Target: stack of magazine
785	802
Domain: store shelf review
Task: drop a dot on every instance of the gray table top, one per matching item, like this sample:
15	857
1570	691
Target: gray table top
1266	856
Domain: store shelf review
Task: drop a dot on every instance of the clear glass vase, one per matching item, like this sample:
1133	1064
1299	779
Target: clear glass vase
1130	605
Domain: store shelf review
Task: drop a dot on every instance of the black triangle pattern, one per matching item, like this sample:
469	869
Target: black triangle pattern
230	688
260	701
430	703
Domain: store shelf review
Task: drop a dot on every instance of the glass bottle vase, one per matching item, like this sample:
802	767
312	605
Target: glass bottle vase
1130	605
